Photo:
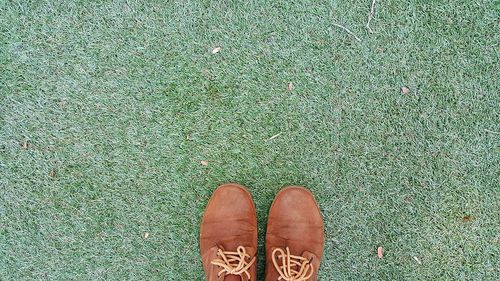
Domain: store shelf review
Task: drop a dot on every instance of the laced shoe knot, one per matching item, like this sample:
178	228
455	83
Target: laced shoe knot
291	267
234	263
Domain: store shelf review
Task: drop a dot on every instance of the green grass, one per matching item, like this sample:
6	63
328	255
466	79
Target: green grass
123	100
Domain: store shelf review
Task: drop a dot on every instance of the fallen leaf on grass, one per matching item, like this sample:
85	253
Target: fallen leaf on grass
204	163
467	218
405	90
290	86
216	50
417	260
24	145
146	235
380	253
52	173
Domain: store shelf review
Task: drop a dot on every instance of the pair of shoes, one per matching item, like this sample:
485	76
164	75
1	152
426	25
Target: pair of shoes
294	237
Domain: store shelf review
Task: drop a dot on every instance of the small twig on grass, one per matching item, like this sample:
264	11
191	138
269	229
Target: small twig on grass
370	16
275	136
493	132
348	31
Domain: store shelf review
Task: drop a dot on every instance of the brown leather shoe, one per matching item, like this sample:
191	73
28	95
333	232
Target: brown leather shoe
295	236
228	235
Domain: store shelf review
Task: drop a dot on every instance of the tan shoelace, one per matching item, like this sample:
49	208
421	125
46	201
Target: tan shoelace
234	262
292	268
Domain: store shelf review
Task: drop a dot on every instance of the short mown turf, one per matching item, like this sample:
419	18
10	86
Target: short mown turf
108	108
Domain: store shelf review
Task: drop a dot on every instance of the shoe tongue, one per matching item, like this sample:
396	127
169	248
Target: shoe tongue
232	278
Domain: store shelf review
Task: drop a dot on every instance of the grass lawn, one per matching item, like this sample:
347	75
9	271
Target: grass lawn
108	108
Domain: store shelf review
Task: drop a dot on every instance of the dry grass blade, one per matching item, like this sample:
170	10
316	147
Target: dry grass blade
348	31
370	16
275	136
